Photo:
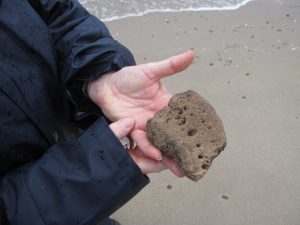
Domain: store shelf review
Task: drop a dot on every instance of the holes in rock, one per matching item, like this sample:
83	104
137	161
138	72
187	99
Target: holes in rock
198	145
218	150
202	121
191	114
204	111
192	132
200	156
184	107
205	166
179	111
209	127
182	121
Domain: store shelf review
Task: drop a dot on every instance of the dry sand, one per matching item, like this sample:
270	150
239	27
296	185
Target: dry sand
248	67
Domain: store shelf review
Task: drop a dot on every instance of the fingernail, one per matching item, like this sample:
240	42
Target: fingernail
160	158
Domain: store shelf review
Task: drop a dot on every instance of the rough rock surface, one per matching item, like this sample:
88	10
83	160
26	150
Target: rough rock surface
189	131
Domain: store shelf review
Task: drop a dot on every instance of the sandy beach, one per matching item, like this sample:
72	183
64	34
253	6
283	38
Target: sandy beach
248	67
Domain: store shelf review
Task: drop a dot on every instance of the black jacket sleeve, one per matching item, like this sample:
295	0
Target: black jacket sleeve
84	47
78	182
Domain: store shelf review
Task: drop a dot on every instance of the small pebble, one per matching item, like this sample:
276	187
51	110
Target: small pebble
225	197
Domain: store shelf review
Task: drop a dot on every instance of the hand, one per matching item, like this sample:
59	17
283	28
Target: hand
121	129
137	92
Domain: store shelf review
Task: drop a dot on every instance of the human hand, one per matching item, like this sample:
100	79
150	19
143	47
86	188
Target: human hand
121	129
137	92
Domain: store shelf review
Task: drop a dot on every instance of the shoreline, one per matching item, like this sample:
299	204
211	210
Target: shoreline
166	10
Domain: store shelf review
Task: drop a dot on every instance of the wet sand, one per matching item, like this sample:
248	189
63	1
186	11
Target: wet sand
248	67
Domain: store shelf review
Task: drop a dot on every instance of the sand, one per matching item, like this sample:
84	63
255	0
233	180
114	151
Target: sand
248	67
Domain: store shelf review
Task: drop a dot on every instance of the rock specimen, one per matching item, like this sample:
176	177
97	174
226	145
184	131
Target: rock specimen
189	131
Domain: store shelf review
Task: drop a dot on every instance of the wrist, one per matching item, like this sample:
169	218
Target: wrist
96	89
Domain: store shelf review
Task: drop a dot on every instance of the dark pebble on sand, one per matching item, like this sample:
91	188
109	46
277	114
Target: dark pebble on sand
247	74
252	36
287	15
169	186
243	97
225	197
211	64
210	31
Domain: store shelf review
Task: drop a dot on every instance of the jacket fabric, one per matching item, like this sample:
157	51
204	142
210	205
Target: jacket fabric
52	172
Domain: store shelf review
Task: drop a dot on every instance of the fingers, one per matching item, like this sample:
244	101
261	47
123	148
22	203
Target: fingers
146	156
146	165
167	67
150	157
171	165
122	128
145	146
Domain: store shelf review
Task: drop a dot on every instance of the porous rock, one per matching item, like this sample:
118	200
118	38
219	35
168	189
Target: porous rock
189	131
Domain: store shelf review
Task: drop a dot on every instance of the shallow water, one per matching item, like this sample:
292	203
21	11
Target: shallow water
116	9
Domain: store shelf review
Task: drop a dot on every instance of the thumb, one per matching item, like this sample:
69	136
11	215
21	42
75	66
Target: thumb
122	127
170	66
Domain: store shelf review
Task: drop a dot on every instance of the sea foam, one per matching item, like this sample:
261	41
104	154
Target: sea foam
108	10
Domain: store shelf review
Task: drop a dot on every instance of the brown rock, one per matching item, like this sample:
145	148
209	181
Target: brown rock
189	131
